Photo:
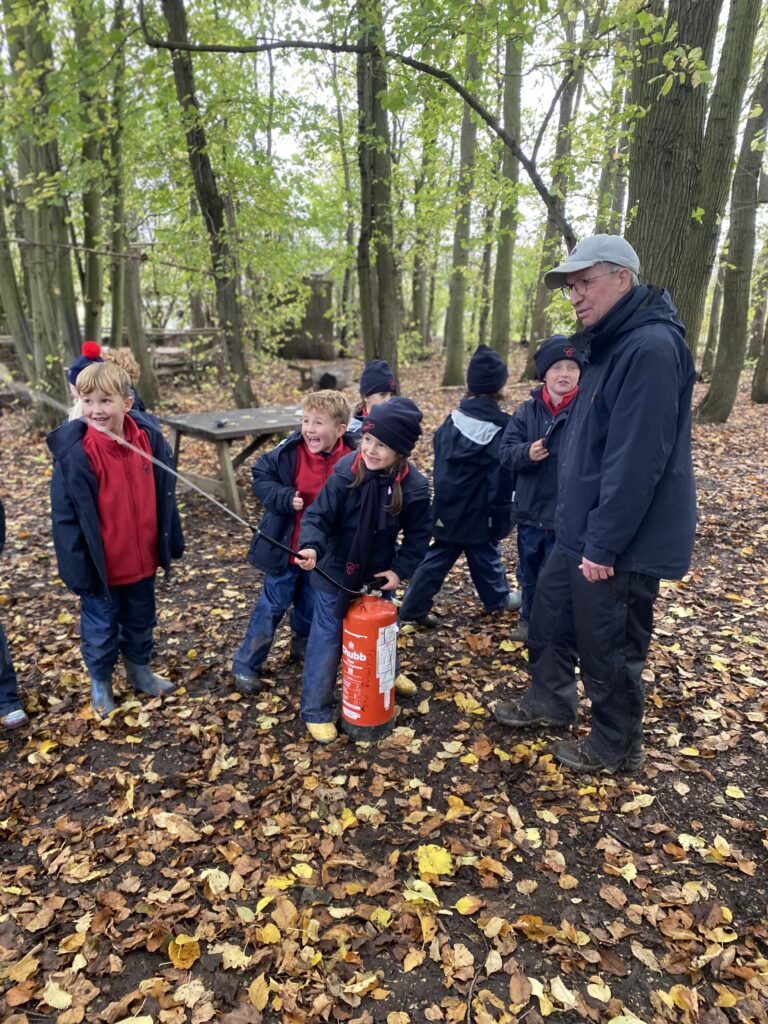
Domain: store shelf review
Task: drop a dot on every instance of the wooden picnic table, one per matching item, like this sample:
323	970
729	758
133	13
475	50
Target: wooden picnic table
221	429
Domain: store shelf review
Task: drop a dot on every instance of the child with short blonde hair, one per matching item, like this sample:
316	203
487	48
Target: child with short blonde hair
287	480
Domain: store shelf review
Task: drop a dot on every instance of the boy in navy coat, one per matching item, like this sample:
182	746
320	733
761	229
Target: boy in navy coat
529	448
115	522
286	481
471	510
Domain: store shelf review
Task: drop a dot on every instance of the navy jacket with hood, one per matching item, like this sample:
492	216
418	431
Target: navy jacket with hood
274	486
330	523
74	507
535	498
473	491
626	494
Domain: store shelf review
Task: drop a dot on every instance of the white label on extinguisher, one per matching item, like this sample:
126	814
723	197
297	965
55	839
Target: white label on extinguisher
386	661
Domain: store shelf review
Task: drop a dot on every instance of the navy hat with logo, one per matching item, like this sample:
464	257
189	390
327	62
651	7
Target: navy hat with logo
377	378
396	423
552	350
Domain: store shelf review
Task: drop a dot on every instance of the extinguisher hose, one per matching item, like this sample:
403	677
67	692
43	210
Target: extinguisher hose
320	572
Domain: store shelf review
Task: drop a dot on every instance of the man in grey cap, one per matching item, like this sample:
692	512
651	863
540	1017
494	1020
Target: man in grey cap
626	509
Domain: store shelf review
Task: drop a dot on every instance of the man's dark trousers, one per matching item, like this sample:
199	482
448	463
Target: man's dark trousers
607	626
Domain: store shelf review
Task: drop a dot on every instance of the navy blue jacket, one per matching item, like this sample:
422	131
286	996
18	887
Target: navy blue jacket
330	523
626	494
535	497
274	485
473	491
74	507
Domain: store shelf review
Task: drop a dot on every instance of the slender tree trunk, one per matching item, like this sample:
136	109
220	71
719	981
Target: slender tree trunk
137	338
759	392
212	207
454	320
666	144
540	321
759	305
510	174
718	401
422	256
713	332
116	180
611	189
13	307
348	281
484	294
377	270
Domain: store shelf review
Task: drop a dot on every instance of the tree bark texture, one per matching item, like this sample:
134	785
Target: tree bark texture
729	362
713	331
213	210
137	338
510	174
759	393
13	306
666	146
453	372
116	189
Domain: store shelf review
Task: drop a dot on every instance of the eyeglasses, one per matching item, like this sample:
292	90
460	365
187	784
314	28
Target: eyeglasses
582	285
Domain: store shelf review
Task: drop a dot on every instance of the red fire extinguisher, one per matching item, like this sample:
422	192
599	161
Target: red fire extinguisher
368	668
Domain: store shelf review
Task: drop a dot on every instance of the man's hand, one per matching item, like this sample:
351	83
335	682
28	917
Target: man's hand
593	572
297	501
306	559
537	452
393	580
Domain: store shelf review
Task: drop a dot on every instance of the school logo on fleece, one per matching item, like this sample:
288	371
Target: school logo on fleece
351	568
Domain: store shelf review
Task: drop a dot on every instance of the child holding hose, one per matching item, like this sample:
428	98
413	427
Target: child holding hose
351	533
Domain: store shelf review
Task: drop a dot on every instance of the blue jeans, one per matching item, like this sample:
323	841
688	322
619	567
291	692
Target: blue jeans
120	623
534	546
9	690
321	663
607	626
485	568
279	592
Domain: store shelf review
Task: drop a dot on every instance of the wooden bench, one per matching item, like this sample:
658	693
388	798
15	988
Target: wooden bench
171	361
221	429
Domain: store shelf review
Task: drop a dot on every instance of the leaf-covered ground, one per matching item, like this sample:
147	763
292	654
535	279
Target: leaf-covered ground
199	859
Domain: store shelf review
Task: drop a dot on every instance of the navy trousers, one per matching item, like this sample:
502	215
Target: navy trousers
9	690
534	547
279	592
485	568
607	626
120	623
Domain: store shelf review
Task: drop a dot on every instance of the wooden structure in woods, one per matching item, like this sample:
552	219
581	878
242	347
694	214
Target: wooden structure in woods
313	337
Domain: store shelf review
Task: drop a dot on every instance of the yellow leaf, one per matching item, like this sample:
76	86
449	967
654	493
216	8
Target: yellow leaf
246	915
144	1019
65	618
56	997
269	934
599	990
734	792
434	860
413	958
559	991
418	890
44	750
71	943
23	968
184	950
381	918
279	882
510	645
397	1017
216	882
234	958
526	886
192	654
493	962
348	819
468	905
302	870
690	751
258	992
466	702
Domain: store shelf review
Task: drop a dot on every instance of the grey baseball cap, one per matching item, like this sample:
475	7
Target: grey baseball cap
595	249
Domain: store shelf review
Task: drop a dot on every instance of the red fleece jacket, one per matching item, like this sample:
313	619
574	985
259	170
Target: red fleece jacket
309	476
127	503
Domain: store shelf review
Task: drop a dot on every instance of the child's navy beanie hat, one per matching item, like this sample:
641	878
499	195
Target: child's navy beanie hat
487	372
90	353
396	423
377	378
552	350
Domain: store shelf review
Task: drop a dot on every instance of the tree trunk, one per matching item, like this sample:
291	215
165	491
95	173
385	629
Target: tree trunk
116	186
540	321
453	373
718	402
666	144
212	208
759	392
611	189
718	150
759	305
510	174
420	325
713	332
346	310
484	291
137	338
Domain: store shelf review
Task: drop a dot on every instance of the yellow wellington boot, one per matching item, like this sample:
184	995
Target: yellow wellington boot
322	732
